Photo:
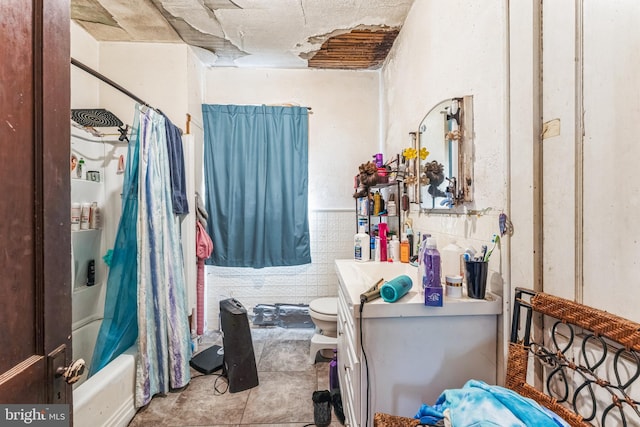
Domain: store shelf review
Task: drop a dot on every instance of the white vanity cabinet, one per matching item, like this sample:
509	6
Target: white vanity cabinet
414	352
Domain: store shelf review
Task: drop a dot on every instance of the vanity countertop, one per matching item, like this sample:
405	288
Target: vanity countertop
356	277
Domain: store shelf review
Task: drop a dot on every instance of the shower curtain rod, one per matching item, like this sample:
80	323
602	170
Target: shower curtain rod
109	82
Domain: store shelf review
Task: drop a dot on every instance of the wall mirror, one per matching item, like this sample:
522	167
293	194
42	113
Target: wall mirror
445	176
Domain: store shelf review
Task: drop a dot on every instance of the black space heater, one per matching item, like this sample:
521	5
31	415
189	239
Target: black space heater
239	359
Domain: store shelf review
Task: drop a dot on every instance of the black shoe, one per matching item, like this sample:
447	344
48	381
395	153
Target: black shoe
321	408
336	400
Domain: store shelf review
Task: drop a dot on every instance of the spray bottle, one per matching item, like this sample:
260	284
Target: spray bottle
382	233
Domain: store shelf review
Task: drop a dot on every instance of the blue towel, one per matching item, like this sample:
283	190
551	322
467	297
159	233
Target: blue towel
176	169
478	404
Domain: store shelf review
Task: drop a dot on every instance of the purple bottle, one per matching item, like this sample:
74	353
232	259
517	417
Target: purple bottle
333	371
431	278
378	160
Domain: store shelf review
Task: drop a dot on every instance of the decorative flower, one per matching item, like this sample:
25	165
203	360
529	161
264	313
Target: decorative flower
410	153
410	179
423	153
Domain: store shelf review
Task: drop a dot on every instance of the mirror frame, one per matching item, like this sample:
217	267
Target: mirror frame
463	189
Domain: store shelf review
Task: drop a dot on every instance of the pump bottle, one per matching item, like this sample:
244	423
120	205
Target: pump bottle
362	245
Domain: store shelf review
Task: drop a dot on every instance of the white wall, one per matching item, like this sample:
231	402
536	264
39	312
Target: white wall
155	72
343	133
84	87
611	173
451	49
607	234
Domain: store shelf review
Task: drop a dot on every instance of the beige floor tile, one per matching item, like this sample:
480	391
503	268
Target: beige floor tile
156	412
285	356
200	404
281	397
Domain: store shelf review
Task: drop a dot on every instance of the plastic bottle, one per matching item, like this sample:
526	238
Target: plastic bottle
376	203
432	275
410	240
376	254
85	213
91	273
75	216
79	169
362	245
392	208
382	233
333	371
405	200
394	249
450	256
404	249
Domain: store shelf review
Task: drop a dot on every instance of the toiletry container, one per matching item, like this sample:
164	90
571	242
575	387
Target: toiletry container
382	233
453	286
376	256
376	203
432	265
85	214
362	245
450	256
75	216
394	249
404	249
392	209
333	371
79	168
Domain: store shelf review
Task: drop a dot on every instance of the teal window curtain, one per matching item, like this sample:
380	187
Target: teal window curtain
256	177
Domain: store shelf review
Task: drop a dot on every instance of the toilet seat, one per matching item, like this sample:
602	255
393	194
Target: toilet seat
324	314
327	306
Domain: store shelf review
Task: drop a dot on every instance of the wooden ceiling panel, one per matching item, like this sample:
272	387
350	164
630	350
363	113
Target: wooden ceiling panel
358	49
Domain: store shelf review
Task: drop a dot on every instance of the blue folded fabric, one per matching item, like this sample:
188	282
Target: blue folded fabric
478	404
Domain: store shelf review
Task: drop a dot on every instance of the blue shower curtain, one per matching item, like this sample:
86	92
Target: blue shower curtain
256	177
164	347
146	294
119	327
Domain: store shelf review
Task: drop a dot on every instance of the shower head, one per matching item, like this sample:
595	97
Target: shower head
95	117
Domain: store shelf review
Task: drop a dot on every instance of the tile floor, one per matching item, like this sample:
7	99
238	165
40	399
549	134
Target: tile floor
283	397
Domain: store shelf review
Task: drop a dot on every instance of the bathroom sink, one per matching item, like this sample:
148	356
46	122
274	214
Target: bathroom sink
357	277
370	272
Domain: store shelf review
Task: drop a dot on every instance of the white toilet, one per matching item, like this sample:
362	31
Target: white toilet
324	314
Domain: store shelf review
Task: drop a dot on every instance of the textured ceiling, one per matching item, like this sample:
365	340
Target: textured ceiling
349	34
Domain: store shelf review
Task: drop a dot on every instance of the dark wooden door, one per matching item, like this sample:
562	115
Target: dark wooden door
35	263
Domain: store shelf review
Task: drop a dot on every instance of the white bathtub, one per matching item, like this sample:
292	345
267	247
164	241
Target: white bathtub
107	398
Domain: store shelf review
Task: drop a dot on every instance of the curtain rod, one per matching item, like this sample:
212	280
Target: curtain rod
108	81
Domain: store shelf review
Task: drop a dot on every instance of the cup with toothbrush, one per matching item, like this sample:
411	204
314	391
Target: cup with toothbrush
476	269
